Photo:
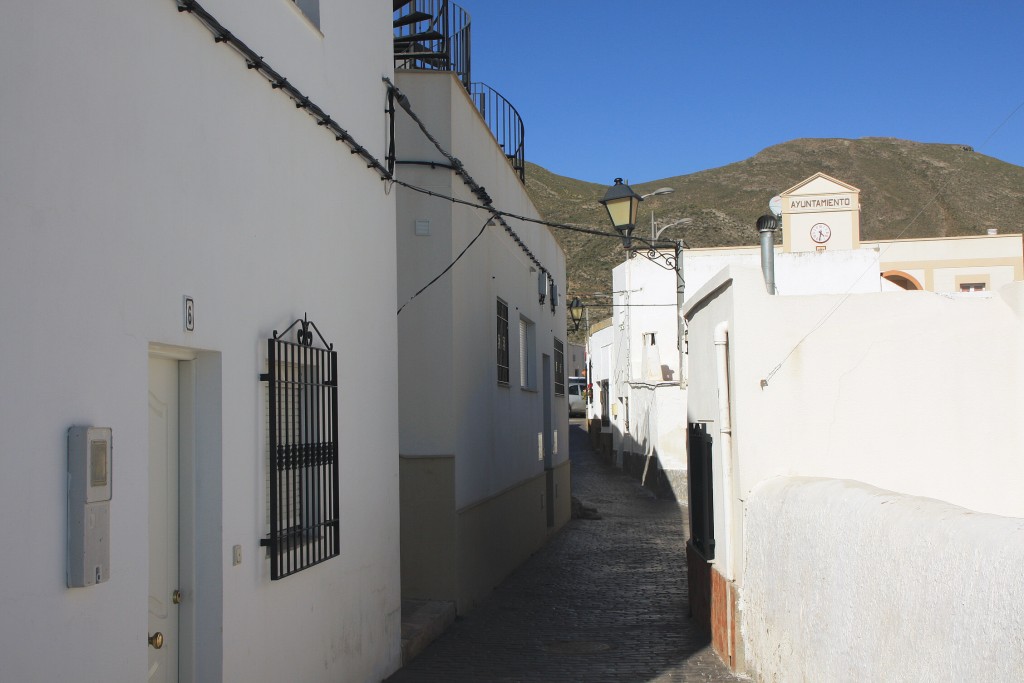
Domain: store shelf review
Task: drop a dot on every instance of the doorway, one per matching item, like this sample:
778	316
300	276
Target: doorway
164	456
548	442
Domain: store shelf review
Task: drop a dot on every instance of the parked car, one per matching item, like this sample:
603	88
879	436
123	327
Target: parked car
577	391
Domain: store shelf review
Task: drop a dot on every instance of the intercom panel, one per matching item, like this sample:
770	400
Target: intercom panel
90	486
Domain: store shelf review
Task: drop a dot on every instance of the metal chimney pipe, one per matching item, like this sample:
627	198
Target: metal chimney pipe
766	226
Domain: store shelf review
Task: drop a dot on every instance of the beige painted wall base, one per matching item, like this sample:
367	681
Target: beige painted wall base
461	555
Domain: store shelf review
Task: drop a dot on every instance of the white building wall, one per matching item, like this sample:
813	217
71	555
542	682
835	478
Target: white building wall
829	272
448	357
848	383
646	305
600	357
891	587
143	162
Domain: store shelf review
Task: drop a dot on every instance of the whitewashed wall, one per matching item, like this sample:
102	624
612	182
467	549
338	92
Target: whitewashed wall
933	378
911	392
143	162
451	401
600	352
830	272
847	582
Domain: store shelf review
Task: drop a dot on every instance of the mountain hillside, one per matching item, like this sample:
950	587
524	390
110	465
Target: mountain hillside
908	189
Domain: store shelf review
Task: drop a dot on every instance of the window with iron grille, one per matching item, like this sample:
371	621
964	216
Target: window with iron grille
302	425
559	368
503	374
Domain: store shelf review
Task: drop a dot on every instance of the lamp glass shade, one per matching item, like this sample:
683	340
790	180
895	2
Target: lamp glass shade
576	310
622	203
622	211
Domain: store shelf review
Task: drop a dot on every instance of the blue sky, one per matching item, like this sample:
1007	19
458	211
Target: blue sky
652	89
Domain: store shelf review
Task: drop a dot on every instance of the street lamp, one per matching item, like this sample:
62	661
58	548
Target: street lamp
622	204
576	312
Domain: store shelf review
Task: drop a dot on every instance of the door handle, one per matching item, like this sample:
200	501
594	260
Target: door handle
156	641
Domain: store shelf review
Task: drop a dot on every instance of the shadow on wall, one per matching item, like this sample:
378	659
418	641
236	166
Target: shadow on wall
636	462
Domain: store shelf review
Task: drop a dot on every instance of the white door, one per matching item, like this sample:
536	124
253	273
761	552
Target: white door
162	637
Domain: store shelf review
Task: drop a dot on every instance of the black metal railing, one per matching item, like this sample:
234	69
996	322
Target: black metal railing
505	123
432	35
302	421
701	503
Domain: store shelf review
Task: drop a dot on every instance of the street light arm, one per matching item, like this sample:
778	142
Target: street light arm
652	250
660	190
681	221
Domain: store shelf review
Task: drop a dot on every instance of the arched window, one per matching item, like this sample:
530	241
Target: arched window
901	279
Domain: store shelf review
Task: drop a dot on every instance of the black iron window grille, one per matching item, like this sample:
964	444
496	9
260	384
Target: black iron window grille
559	368
503	374
701	503
302	422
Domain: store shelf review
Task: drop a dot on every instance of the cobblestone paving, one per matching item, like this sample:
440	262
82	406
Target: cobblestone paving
604	601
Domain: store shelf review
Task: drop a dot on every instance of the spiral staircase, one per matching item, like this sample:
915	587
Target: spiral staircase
434	35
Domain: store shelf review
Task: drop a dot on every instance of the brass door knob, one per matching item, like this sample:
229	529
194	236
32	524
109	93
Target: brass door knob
176	597
156	641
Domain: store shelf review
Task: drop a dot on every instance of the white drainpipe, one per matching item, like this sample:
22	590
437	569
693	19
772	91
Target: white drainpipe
725	443
725	427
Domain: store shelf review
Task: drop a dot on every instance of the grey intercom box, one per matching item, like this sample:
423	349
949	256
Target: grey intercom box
90	464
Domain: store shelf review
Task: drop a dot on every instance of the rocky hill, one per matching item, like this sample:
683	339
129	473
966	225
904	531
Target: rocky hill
908	189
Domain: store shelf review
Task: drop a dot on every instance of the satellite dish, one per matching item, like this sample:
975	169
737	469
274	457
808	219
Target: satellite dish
775	205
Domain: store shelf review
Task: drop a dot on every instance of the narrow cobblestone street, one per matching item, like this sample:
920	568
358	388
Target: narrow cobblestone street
605	600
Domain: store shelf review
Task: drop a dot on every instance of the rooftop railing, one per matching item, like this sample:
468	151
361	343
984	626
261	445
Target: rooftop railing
505	123
432	35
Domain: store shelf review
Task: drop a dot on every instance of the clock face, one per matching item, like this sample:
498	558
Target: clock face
820	232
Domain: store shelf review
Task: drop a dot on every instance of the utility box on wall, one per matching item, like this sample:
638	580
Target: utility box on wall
89	490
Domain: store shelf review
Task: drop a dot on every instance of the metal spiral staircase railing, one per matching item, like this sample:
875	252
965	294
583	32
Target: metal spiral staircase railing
433	35
505	123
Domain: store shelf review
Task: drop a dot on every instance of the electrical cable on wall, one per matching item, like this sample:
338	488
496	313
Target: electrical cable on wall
459	168
278	82
302	101
448	267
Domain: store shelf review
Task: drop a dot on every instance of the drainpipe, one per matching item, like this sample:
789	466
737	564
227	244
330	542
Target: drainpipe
725	429
766	226
680	317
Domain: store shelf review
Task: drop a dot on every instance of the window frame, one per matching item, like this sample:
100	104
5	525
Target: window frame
559	366
503	360
527	354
